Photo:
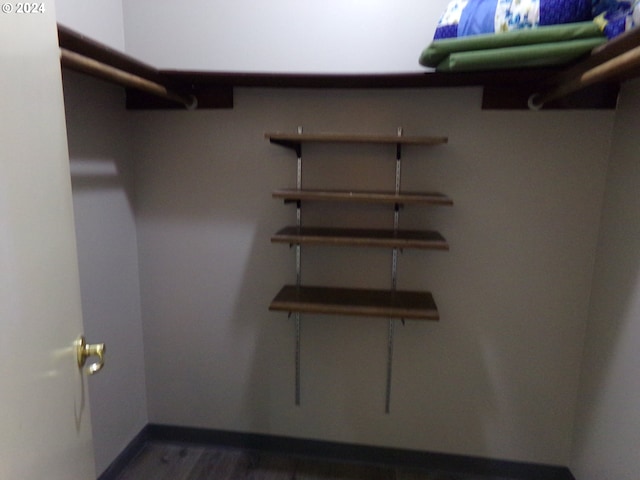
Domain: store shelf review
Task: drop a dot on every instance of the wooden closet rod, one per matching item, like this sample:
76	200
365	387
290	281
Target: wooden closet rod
80	63
608	70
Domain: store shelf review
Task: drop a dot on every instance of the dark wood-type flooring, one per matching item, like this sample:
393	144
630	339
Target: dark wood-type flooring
162	461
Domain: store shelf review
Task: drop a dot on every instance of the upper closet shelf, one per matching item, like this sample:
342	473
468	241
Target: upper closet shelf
596	79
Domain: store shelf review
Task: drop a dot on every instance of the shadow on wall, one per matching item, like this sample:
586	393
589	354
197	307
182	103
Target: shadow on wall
98	142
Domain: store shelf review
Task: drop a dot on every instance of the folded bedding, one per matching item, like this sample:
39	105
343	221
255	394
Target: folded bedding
463	18
439	50
616	16
499	34
523	56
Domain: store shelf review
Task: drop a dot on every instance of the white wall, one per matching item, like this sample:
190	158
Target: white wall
102	181
100	20
497	376
282	35
608	424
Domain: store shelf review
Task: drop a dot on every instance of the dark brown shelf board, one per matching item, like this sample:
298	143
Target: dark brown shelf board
502	89
571	86
214	97
78	43
426	79
418	239
356	302
602	96
202	82
403	198
608	51
291	139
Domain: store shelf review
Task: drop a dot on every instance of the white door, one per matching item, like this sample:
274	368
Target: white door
44	411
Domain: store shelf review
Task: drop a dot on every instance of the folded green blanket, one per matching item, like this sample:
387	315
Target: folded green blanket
537	55
438	50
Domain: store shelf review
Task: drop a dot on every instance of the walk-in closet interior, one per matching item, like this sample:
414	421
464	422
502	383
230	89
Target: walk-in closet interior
524	348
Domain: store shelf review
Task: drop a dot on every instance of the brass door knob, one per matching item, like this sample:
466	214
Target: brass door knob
85	350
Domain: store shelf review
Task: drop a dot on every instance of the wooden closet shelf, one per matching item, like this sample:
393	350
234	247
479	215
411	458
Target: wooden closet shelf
356	302
389	304
418	239
425	198
504	89
292	140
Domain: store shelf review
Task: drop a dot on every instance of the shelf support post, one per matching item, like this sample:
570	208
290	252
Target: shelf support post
394	276
298	322
387	406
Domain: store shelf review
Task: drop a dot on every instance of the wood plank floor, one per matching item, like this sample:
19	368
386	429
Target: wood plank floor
162	461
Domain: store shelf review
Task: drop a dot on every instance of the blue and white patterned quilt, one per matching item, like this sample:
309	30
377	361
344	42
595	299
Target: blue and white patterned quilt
472	17
616	16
